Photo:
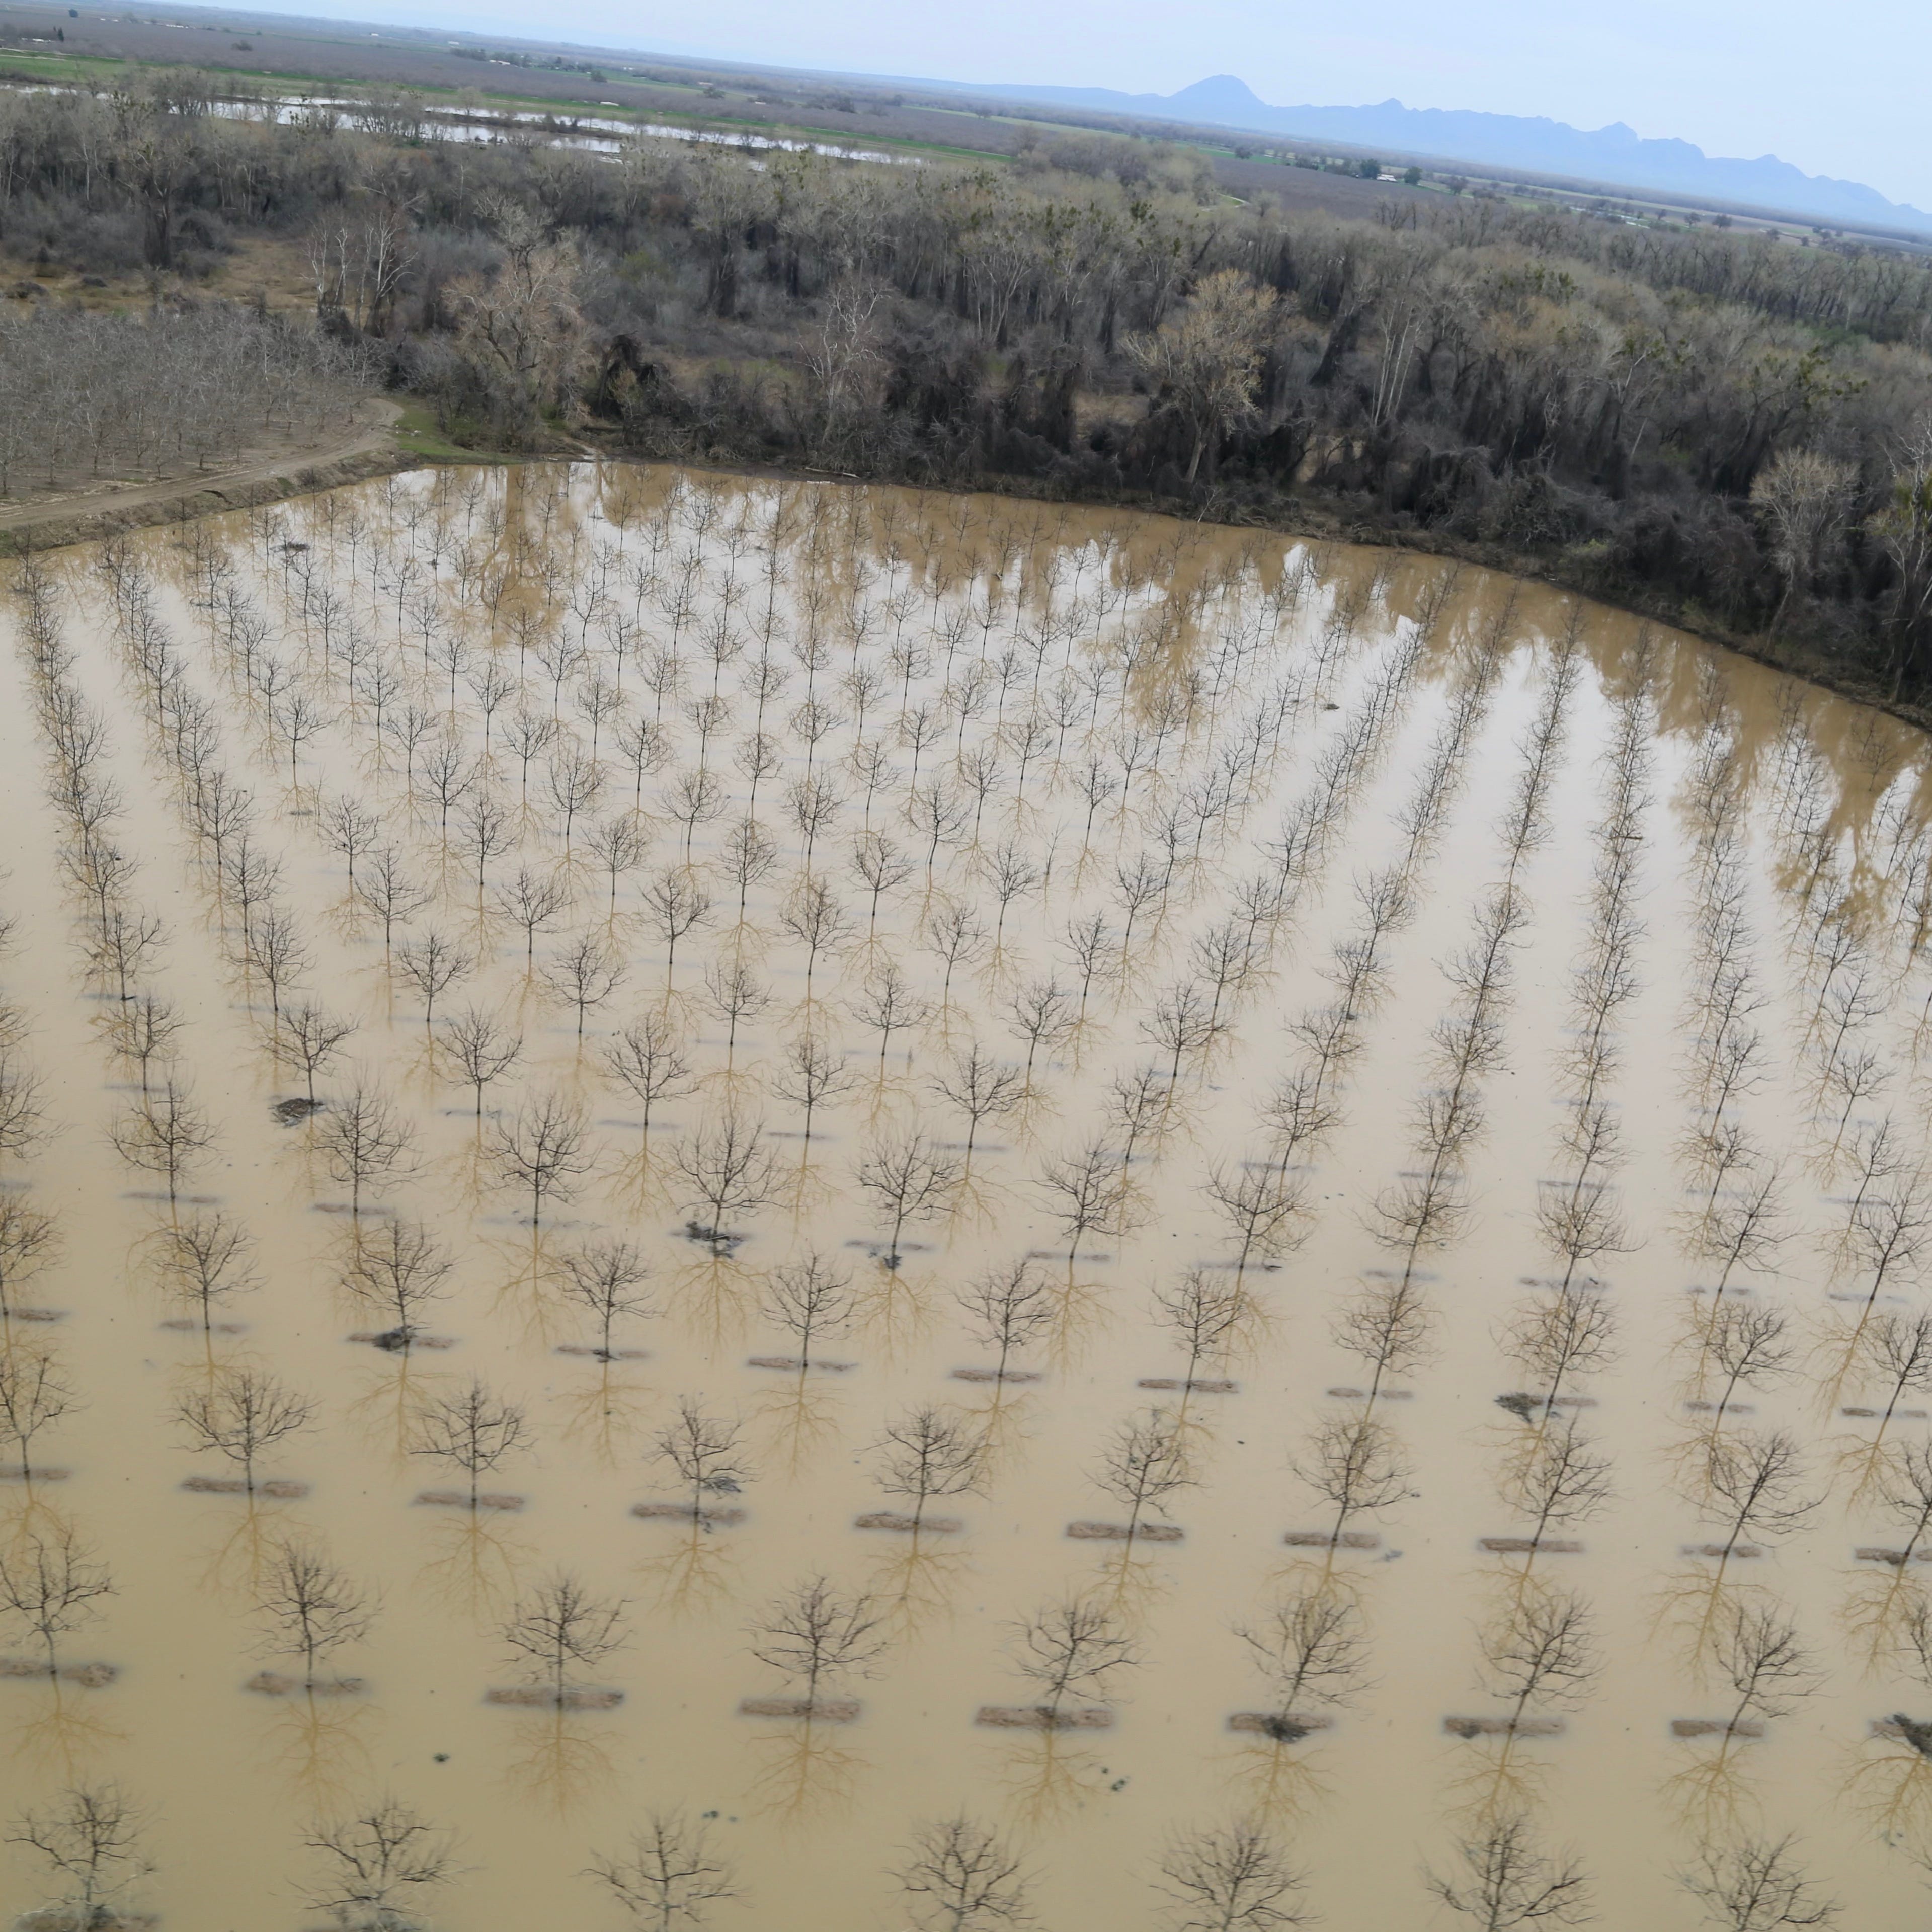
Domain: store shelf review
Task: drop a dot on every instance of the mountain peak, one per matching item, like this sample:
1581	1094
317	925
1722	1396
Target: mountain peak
1612	155
1224	93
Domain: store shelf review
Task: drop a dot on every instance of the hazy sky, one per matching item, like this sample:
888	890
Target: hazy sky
1837	92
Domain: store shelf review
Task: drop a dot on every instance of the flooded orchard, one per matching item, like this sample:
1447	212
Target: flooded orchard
763	1205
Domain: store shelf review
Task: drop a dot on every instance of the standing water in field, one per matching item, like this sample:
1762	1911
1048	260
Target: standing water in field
779	1205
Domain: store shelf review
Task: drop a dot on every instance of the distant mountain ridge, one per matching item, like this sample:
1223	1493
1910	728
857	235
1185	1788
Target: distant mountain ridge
1615	154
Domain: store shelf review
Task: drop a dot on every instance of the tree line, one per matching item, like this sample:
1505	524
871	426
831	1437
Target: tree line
1730	427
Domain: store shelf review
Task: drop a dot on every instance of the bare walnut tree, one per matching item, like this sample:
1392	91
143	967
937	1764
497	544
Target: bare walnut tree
242	1413
912	1177
1504	1881
561	1629
1009	1310
1310	1647
378	1868
309	1606
484	1047
1214	1319
88	1841
810	1299
398	1271
705	1452
1145	1464
164	1133
668	1877
604	1277
731	1173
470	1429
1068	1647
959	1875
815	1637
52	1586
28	1242
34	1394
929	1453
541	1150
1237	1878
649	1059
1756	1885
363	1142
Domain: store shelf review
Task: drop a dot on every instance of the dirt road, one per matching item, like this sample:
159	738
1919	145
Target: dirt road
79	516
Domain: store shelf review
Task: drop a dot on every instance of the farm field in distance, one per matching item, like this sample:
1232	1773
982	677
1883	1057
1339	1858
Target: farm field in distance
771	1198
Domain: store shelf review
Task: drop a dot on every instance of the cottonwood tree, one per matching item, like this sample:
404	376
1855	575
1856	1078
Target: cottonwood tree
562	1628
309	1606
378	1867
707	1451
1804	499
470	1428
1068	1647
928	1453
668	1877
605	1277
1233	1878
241	1413
88	1841
960	1876
815	1636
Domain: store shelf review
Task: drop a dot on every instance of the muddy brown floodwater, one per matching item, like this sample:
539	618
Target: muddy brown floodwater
970	1209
